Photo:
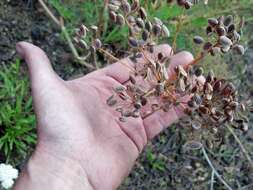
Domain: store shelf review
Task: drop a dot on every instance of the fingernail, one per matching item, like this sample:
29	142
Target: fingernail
20	50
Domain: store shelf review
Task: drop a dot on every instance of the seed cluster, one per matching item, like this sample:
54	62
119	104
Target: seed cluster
211	102
142	31
187	4
226	36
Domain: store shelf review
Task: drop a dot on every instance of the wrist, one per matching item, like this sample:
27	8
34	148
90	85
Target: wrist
47	171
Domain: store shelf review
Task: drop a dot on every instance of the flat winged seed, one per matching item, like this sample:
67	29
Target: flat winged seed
148	26
133	42
199	71
113	16
120	20
126	7
213	22
207	46
231	28
225	41
140	23
198	40
131	19
83	44
196	125
209	30
97	43
135	5
110	101
220	31
239	49
182	71
181	85
192	145
158	21
165	31
156	29
143	13
145	35
228	20
122	119
119	89
113	7
132	79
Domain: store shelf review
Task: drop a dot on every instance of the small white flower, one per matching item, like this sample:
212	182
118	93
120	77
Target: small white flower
7	183
7	175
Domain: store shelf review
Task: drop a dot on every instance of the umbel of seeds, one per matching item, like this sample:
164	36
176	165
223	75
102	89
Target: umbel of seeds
213	102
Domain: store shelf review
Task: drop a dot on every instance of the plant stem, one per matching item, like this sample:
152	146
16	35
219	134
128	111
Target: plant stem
212	180
241	146
60	23
214	170
180	22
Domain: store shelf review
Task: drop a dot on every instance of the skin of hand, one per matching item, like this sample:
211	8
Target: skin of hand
81	142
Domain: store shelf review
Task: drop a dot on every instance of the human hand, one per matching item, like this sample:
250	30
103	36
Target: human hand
79	132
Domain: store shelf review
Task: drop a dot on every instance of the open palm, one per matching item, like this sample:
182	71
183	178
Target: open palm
75	123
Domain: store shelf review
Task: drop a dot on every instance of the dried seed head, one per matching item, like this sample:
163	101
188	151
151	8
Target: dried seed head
198	40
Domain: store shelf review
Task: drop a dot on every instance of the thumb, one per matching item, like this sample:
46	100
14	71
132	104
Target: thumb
40	70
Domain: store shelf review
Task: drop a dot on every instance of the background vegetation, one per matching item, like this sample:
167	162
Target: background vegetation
164	164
